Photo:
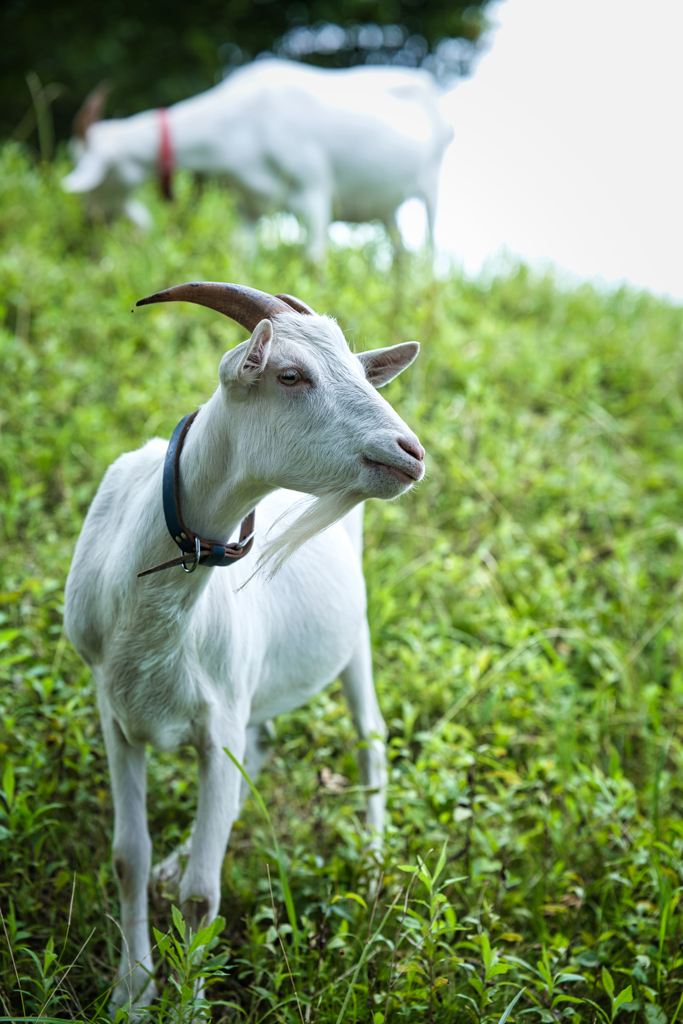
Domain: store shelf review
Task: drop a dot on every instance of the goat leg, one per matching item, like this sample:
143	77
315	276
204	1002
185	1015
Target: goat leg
132	854
217	808
359	690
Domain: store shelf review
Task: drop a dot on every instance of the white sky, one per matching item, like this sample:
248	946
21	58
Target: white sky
569	143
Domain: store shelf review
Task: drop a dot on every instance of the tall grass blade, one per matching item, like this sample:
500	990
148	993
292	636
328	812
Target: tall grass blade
512	1005
287	892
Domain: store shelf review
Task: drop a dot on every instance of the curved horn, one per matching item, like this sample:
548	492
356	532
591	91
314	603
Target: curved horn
296	304
245	305
92	109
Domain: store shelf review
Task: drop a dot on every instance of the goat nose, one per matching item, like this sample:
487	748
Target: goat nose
412	448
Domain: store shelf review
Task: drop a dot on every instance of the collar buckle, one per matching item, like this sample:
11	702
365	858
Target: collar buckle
197	549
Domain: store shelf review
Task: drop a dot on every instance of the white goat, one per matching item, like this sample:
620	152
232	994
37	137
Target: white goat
204	660
325	145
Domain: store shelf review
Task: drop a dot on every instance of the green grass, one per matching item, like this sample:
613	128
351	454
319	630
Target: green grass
525	606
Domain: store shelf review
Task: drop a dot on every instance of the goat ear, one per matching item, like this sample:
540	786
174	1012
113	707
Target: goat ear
256	356
383	364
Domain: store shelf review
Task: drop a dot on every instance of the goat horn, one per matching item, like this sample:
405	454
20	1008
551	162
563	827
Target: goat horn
295	303
92	109
246	306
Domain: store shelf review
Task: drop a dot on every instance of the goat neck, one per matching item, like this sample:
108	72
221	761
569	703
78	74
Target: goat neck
217	490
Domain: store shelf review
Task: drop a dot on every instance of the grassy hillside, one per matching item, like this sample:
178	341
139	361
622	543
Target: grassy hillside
525	605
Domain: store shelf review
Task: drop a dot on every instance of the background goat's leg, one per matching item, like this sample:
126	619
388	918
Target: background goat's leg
132	853
256	754
217	808
312	204
165	877
359	690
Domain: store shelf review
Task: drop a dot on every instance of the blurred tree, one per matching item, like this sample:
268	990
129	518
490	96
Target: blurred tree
155	52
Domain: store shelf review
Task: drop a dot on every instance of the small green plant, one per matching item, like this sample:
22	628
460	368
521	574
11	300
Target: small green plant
547	987
616	1001
191	966
482	1006
430	925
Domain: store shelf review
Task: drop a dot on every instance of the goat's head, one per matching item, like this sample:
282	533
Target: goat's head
304	409
308	406
104	168
104	165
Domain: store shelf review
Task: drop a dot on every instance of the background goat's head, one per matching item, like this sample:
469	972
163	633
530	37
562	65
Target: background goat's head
111	160
305	409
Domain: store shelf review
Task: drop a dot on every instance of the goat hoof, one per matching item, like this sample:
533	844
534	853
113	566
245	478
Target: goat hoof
136	1006
165	876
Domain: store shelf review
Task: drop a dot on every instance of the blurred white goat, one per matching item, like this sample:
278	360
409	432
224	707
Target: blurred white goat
197	658
322	144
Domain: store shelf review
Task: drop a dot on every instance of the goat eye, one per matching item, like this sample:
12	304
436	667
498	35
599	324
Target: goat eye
290	376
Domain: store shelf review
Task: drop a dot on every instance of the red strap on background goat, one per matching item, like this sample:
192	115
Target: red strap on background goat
166	157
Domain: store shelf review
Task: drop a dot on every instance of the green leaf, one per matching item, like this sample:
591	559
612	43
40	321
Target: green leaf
441	863
50	956
565	999
495	970
511	1006
8	783
424	874
625	996
178	921
175	958
205	935
545	974
608	983
351	896
598	1008
476	984
163	940
486	951
215	962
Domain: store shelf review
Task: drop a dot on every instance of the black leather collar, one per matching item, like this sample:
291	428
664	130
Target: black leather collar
194	549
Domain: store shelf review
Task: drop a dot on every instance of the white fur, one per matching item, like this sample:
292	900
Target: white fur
322	144
203	659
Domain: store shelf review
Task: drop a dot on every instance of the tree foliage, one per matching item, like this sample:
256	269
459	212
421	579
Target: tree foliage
157	53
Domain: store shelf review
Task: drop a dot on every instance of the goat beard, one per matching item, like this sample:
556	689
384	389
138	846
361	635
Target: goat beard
318	515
